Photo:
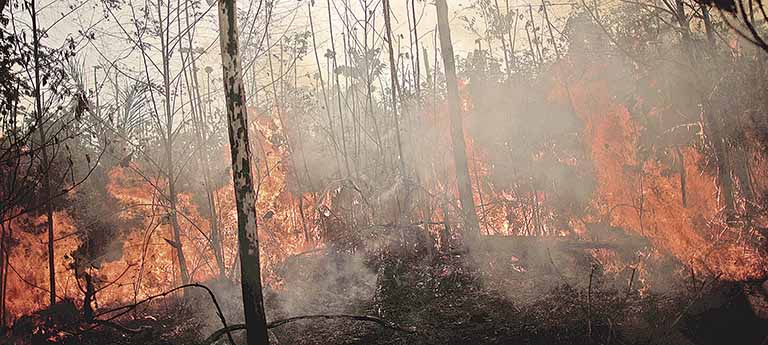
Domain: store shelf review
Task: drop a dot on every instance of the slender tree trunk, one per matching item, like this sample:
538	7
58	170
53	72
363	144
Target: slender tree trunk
512	39
338	94
549	26
322	86
4	283
198	111
395	87
530	46
472	226
503	41
536	214
535	35
279	109
165	51
685	28
45	164
369	17
171	176
708	27
2	275
426	67
245	196
683	188
712	124
198	117
416	51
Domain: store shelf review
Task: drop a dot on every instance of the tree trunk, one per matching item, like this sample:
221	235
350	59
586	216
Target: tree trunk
708	27
417	68
279	109
503	41
2	275
165	51
683	188
175	227
426	67
549	26
322	87
338	94
535	35
530	46
45	164
245	197
395	87
685	28
472	226
712	124
198	123
512	39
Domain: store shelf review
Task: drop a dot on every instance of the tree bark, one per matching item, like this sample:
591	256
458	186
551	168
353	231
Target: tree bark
245	197
472	226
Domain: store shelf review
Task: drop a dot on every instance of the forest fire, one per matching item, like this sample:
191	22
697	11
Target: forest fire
589	175
678	210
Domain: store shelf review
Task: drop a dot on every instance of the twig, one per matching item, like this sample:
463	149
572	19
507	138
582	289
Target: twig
119	327
631	279
552	262
694	300
127	308
277	323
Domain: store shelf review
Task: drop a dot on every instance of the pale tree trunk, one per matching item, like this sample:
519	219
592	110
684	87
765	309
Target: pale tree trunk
245	197
471	223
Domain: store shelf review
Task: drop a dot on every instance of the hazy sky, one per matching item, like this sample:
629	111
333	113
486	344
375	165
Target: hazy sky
290	16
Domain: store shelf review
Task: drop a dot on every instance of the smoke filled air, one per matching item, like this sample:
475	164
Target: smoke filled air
383	172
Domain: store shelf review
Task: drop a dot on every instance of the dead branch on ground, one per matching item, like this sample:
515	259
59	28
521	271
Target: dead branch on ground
277	323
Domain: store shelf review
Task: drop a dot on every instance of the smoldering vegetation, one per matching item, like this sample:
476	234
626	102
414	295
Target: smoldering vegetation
615	155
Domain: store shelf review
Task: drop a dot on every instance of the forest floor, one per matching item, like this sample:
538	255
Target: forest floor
466	308
444	300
